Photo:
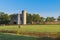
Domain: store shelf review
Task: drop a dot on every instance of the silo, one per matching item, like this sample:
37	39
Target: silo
24	16
18	19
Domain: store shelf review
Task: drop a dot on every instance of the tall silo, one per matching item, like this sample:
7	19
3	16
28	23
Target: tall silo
24	16
18	18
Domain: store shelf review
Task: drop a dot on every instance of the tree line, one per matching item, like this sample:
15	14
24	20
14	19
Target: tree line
31	18
36	18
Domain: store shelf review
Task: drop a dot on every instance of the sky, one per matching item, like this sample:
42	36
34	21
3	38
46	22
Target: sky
44	8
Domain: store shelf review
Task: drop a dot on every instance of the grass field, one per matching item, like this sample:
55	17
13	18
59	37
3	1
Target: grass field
4	36
33	28
28	28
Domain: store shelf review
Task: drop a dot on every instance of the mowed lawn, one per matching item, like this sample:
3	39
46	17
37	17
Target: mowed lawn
32	28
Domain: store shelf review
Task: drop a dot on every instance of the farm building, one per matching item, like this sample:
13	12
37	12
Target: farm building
19	18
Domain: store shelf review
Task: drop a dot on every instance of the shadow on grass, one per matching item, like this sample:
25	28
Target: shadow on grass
47	38
16	37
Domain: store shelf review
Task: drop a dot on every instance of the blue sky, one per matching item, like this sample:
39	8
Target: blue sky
43	7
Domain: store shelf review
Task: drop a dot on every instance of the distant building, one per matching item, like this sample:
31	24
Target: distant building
19	18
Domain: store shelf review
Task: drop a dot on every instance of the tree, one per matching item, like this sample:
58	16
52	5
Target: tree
4	18
47	19
33	18
36	18
42	19
58	19
52	19
29	18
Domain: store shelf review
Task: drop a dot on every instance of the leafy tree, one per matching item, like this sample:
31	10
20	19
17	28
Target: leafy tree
58	19
13	16
29	18
52	19
36	18
42	19
33	18
4	18
47	19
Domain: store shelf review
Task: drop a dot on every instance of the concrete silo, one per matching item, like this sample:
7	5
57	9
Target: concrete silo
18	19
24	16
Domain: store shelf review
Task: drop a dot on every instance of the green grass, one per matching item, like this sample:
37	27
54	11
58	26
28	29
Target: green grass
27	28
9	27
5	36
41	28
15	37
33	28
